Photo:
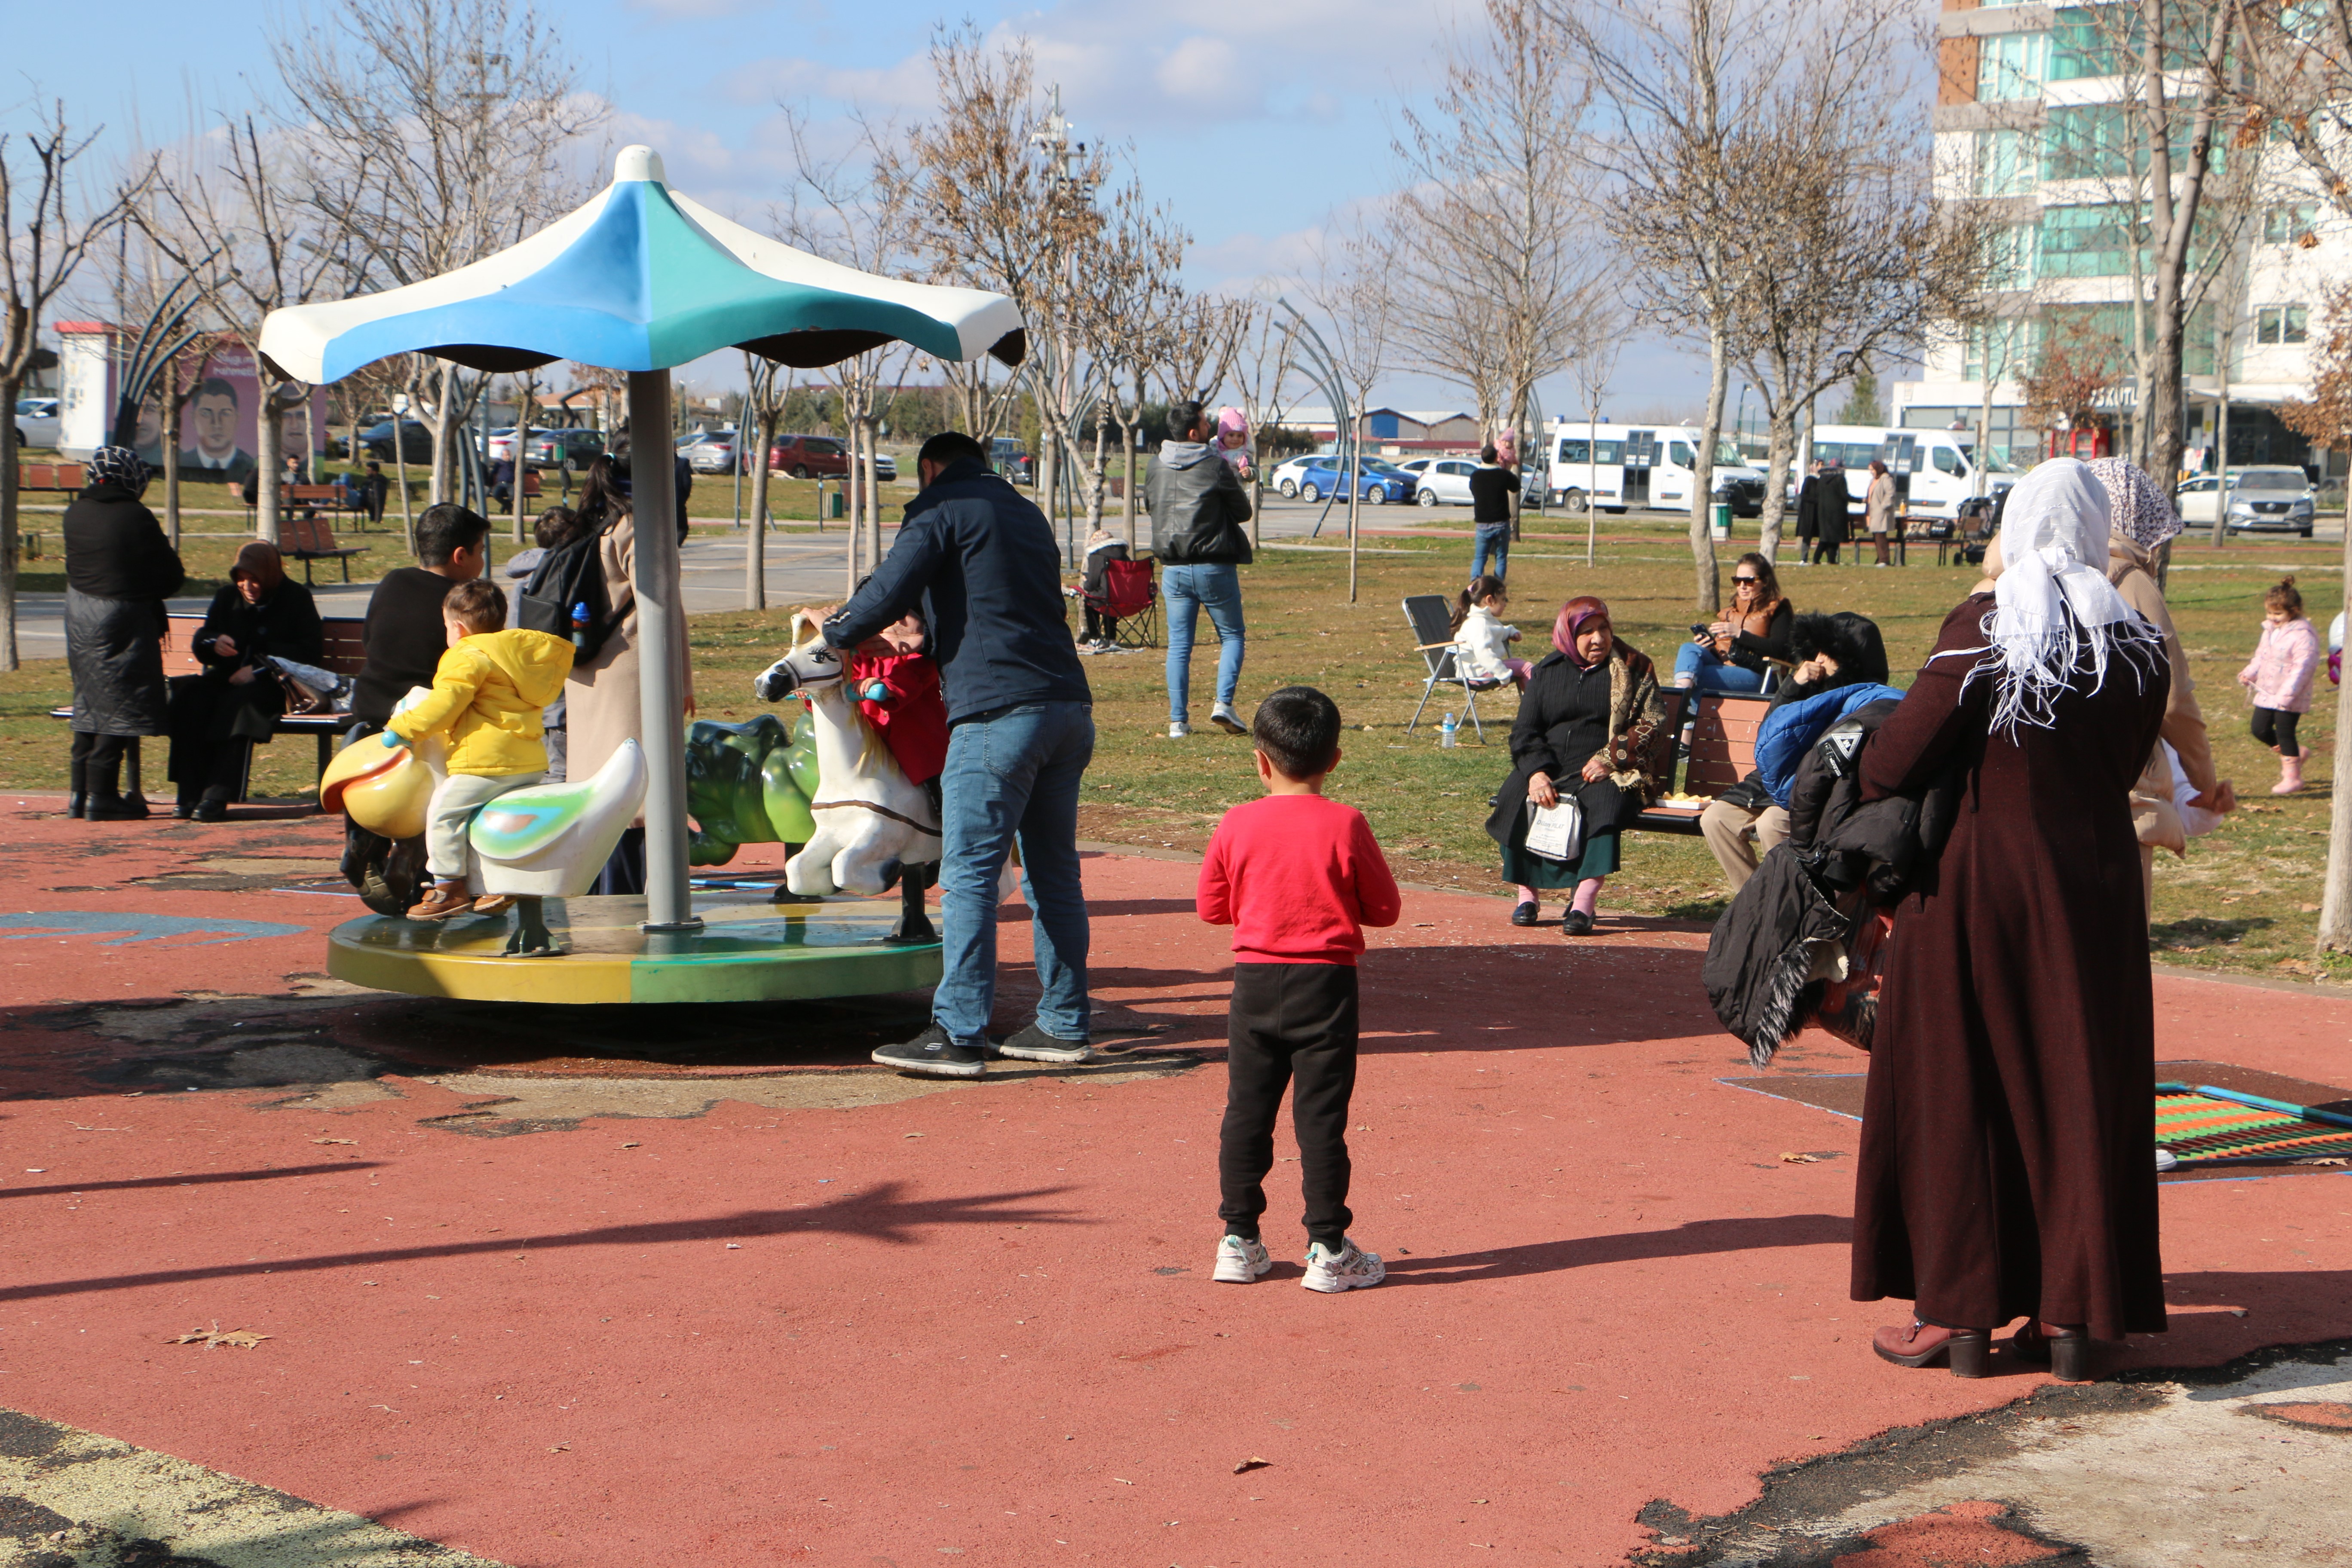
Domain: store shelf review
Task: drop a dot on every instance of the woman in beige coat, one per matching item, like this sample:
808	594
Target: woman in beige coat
2139	520
602	695
1880	507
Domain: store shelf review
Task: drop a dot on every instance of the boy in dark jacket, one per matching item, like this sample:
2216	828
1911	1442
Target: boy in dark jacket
1198	507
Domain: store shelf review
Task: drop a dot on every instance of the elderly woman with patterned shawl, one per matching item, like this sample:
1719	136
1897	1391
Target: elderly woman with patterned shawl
1589	728
2009	1121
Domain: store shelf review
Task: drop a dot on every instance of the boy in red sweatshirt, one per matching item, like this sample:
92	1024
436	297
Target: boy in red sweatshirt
1297	876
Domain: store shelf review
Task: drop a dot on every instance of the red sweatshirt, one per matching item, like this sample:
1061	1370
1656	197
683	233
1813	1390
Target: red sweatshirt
913	719
1296	876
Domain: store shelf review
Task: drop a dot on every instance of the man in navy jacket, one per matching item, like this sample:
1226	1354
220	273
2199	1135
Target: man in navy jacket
981	563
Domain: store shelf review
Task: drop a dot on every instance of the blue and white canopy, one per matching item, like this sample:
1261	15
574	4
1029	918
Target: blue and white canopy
641	279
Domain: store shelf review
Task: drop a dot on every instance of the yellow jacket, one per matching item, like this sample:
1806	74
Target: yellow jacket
489	692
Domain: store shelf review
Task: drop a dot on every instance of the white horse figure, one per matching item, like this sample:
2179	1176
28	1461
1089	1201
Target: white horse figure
872	824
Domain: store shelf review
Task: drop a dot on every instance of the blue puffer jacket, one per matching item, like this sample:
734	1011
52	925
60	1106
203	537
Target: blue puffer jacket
1791	728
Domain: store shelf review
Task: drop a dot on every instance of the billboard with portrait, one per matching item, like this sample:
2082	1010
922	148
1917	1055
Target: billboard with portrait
218	422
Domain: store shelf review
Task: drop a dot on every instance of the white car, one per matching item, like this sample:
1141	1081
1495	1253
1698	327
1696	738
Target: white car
1285	476
36	422
2262	501
1442	480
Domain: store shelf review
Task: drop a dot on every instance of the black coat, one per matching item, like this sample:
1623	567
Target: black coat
207	708
1823	508
1566	715
118	570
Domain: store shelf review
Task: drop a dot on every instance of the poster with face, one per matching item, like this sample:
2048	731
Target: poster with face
219	428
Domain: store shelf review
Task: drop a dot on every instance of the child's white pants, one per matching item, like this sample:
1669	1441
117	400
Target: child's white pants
452	811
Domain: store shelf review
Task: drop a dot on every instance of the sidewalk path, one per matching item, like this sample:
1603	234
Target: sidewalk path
569	1290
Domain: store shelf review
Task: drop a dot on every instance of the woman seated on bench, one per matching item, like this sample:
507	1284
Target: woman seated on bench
1583	733
218	714
1730	655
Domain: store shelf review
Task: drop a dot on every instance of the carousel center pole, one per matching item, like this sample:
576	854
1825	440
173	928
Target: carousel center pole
661	673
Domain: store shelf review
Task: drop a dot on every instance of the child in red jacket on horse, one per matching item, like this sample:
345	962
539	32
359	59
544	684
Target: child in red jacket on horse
896	686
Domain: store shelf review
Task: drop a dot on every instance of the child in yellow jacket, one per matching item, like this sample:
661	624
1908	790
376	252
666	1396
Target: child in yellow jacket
489	694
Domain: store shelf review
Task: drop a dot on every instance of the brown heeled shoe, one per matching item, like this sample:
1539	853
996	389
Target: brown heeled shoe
1967	1351
2066	1349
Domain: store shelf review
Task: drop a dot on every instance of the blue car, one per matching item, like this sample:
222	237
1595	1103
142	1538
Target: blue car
1382	482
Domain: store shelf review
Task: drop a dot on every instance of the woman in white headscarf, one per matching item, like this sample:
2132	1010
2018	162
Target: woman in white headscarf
2005	1171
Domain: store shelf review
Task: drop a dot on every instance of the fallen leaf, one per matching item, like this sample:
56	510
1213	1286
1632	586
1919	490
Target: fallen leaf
1122	1480
1252	1463
914	1135
628	1145
1801	1159
559	1449
214	1337
334	1139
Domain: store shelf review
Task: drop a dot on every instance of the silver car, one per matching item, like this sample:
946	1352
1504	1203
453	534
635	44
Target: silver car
2260	500
1441	480
36	422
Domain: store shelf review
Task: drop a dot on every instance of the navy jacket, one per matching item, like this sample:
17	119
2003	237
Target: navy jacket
980	561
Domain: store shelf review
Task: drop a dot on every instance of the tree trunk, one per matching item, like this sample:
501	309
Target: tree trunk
1782	439
755	545
8	475
869	476
523	449
1719	384
2222	457
445	437
269	462
2336	899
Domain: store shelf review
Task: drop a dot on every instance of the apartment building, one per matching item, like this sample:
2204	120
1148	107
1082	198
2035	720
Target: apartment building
2033	112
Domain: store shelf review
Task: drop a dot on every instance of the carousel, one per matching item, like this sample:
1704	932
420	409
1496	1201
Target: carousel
642	280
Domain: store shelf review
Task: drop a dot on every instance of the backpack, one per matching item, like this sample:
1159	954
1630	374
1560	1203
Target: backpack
570	573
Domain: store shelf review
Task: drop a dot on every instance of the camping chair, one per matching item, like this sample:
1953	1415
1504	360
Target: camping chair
1432	635
1130	598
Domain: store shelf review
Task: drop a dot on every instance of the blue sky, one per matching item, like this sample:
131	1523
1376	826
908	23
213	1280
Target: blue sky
1254	123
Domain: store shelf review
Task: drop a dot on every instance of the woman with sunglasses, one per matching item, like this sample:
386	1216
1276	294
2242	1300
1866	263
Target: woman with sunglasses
1730	655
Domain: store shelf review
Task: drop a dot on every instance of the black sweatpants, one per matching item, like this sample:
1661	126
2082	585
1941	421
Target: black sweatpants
1291	1024
2275	727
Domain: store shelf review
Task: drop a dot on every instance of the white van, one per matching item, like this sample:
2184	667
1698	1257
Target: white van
1617	468
1934	470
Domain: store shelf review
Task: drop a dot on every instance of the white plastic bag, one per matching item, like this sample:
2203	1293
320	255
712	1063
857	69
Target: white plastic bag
1556	832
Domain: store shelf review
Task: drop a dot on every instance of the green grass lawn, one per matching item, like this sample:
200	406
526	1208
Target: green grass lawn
2245	898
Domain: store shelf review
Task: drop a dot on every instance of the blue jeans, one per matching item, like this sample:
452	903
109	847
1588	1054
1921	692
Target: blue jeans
1711	672
1013	770
1491	538
1189	590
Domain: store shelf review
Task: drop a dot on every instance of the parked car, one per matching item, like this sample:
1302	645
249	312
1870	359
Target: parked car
1382	481
415	441
1284	477
555	449
886	468
37	422
2260	500
1441	480
502	443
809	457
709	451
1011	459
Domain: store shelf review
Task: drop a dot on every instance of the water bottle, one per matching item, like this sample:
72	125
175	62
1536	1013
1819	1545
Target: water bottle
580	624
1445	732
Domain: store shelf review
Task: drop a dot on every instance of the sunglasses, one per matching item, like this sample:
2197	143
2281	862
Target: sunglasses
1751	582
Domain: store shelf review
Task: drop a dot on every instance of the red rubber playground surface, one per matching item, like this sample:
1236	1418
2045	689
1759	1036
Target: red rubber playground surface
979	1322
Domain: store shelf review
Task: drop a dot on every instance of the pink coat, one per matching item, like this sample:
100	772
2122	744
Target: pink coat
2285	661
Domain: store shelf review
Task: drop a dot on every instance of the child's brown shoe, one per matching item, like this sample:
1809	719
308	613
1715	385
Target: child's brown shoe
446	899
494	903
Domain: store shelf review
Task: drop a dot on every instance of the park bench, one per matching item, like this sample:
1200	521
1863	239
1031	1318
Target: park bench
52	477
310	538
1722	752
345	653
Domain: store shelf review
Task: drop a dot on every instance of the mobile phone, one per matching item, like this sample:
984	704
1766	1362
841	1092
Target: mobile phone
1699	628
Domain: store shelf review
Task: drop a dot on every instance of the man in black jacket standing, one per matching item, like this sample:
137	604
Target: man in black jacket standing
981	562
1198	507
1492	485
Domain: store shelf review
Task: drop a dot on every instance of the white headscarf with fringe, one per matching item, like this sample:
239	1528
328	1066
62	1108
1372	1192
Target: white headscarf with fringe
2054	613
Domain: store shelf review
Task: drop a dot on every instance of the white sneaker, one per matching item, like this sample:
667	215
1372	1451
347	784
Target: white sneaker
1240	1262
1225	719
1349	1268
2167	1160
1178	729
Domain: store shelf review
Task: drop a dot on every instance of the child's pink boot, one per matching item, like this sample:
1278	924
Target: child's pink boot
2290	777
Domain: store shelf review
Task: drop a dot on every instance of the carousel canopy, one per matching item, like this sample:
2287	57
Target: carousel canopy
641	279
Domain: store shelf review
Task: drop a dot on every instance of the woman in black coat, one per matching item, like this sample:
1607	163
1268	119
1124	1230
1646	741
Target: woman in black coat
219	714
1829	514
118	570
1585	728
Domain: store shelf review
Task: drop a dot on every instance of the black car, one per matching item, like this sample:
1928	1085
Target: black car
552	448
416	438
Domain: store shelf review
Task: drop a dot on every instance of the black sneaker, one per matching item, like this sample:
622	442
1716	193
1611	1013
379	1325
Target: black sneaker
1035	1045
933	1054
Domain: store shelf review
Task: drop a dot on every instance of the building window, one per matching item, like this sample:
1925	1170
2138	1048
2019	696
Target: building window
2290	223
2004	163
2011	65
2086	241
2283	324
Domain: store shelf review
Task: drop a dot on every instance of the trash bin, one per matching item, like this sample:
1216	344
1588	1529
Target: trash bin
840	504
1721	527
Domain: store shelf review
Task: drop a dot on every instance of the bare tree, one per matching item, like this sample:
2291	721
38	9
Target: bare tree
1264	363
440	131
43	242
1491	247
2327	417
1353	287
766	386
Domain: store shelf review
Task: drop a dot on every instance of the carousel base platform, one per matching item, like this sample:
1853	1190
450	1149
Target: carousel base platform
749	950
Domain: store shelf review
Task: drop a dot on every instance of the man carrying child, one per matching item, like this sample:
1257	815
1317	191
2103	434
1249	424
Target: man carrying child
1297	877
487	696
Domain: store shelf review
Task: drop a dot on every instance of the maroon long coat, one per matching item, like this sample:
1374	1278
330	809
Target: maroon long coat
2007	1134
